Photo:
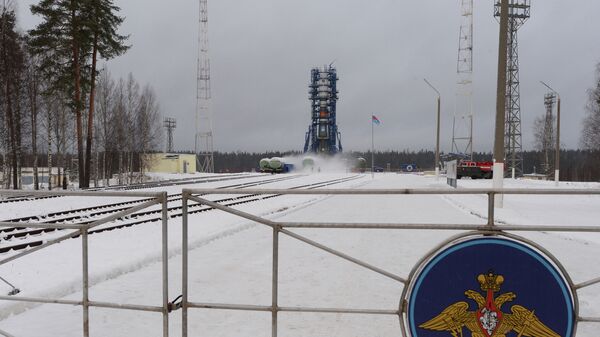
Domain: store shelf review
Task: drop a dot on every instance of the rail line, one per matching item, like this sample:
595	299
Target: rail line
152	184
232	201
173	197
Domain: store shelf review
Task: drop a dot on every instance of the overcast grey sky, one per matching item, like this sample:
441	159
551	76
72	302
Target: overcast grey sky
262	52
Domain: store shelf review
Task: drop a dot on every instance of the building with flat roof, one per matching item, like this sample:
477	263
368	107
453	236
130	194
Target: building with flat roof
170	163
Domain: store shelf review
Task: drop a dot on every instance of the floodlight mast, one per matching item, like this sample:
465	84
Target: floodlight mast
501	103
518	12
203	140
557	149
462	124
437	139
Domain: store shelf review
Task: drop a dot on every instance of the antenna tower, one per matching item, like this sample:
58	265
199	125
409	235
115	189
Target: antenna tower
170	124
203	145
462	125
518	13
548	133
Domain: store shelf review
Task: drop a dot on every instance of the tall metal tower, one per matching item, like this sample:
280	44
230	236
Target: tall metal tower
462	125
170	124
518	13
203	145
323	135
548	133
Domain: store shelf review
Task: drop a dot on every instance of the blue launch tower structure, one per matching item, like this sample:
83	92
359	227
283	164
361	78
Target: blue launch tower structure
323	136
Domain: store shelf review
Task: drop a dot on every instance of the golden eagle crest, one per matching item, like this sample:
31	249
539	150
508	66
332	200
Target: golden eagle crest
488	320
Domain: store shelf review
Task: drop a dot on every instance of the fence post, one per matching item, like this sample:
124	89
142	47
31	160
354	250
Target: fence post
85	278
274	308
184	267
165	264
491	205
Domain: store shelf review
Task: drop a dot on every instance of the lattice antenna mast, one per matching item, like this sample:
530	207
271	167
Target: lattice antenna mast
170	124
203	146
462	125
548	135
518	14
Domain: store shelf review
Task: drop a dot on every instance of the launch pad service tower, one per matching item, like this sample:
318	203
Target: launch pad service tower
323	136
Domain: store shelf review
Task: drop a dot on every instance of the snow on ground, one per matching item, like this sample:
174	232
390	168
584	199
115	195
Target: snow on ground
230	260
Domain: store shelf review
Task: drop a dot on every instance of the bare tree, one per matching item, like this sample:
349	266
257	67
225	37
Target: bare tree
132	101
148	126
105	131
11	70
590	138
120	123
33	93
127	126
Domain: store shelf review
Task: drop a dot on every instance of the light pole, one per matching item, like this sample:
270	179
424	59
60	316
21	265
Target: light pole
437	139
498	181
557	149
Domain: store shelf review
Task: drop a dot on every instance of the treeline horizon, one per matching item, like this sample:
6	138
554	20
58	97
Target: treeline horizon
575	165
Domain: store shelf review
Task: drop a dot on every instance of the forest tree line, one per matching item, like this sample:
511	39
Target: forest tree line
576	165
58	109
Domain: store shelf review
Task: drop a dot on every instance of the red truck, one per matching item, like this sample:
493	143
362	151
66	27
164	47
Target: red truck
474	169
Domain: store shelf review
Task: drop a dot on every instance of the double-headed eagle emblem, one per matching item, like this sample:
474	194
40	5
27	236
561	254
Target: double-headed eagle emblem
489	320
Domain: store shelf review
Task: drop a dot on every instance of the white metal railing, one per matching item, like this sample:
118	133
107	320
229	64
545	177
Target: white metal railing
82	230
281	227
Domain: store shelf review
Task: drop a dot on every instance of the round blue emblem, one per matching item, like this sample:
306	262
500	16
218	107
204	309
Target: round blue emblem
490	287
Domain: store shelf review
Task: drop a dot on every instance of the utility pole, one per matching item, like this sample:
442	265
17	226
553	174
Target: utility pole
203	142
170	124
501	103
437	139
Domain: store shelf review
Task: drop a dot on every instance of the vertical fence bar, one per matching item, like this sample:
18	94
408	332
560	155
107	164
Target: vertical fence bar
85	279
274	308
184	266
165	265
491	205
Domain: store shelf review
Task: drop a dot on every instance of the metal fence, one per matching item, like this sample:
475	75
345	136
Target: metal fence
285	228
82	230
281	227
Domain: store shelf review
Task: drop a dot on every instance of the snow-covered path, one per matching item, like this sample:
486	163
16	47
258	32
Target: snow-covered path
230	262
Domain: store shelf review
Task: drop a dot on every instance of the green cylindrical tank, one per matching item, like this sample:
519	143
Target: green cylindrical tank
308	162
276	163
264	164
361	164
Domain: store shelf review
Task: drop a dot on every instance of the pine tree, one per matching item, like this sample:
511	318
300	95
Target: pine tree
106	43
71	37
61	41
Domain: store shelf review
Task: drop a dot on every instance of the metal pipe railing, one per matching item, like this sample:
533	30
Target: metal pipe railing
82	230
423	191
78	232
488	228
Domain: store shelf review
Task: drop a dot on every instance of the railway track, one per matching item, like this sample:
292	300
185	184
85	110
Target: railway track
156	215
58	217
154	184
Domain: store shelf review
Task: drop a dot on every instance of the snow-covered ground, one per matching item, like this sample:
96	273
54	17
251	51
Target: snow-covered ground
230	259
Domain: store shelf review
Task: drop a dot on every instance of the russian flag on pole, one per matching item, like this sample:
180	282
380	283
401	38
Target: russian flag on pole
375	120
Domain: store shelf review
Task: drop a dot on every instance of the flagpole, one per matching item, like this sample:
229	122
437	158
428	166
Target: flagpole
372	149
